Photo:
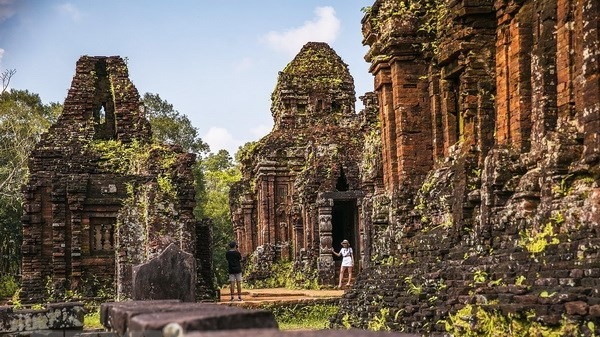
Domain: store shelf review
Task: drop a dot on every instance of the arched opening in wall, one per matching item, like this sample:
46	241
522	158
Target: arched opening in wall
335	106
344	226
104	110
452	119
342	182
104	121
102	116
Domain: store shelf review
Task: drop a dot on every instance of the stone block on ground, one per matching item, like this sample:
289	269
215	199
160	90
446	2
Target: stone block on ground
57	317
141	317
108	310
205	317
171	275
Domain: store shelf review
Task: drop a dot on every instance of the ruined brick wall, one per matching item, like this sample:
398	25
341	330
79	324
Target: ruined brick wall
293	176
371	172
101	197
504	223
548	72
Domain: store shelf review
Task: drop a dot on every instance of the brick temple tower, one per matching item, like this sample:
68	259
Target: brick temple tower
300	193
490	126
101	197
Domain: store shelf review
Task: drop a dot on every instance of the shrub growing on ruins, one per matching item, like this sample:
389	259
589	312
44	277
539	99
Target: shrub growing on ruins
481	321
8	285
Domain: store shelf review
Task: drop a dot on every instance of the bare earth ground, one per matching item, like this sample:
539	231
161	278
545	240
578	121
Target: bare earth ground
258	296
253	297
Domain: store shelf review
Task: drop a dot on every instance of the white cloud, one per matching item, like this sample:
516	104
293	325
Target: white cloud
325	27
71	11
1	54
220	138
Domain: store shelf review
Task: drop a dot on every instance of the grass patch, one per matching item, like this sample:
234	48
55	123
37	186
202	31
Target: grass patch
302	316
91	320
288	316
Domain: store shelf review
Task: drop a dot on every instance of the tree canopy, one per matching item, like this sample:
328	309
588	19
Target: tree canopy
23	119
171	127
219	172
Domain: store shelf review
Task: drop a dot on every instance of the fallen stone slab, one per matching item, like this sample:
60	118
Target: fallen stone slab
119	316
308	333
107	320
208	317
56	316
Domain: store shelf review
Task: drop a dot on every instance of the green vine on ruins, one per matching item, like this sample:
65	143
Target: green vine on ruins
119	157
134	158
536	240
316	66
429	15
371	156
485	321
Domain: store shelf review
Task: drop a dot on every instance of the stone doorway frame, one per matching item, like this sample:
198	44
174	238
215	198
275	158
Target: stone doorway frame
325	203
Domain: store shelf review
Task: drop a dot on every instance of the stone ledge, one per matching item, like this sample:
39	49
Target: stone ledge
135	317
56	317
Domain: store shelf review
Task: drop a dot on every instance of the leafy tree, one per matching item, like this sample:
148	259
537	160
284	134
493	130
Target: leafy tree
213	174
171	127
23	119
219	173
219	161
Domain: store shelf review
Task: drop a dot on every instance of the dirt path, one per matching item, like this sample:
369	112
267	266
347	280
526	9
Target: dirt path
252	297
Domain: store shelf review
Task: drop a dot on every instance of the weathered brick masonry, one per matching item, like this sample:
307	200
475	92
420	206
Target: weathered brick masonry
301	193
101	197
489	115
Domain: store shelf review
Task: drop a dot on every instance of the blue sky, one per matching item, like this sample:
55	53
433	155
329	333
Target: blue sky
215	61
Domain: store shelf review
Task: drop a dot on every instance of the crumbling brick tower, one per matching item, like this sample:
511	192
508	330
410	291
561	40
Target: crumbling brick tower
300	192
101	197
490	115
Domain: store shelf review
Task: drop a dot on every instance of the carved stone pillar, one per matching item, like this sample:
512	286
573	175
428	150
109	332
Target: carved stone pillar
246	234
298	227
383	87
325	263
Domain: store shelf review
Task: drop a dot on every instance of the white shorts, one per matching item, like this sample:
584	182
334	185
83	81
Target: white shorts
235	277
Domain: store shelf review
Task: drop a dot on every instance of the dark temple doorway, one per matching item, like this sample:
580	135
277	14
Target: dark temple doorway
344	218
